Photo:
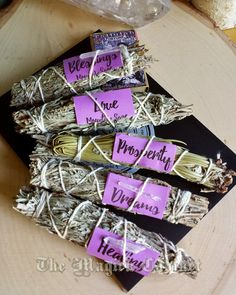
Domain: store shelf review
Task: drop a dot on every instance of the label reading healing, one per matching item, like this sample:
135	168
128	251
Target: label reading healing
109	247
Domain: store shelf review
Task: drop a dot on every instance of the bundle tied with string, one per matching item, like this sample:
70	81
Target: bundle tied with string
98	149
155	109
51	83
88	183
75	220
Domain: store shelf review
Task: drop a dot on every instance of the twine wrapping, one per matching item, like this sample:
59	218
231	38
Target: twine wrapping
75	220
155	109
195	168
89	183
50	83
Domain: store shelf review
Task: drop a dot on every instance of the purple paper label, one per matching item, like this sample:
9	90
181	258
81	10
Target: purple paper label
159	156
109	247
120	191
114	39
78	67
116	104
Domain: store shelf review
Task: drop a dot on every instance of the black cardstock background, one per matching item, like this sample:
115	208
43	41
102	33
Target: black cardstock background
199	139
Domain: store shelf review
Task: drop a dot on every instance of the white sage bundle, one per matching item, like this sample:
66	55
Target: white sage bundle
76	220
88	183
58	115
52	83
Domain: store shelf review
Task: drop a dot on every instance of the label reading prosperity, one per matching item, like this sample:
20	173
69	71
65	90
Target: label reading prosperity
78	67
120	191
116	105
109	247
159	156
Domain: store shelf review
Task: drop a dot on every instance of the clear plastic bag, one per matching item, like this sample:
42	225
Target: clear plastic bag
136	13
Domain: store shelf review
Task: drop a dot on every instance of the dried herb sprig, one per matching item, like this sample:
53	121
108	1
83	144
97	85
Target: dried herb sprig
50	83
192	167
74	220
87	183
59	115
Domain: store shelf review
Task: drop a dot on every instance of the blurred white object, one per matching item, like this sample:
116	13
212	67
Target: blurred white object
136	13
222	12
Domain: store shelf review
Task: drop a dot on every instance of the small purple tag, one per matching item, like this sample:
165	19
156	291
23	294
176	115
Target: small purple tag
109	247
78	67
114	39
160	156
116	104
120	191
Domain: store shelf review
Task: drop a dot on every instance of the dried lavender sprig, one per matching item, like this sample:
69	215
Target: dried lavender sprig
50	83
53	211
60	115
81	181
193	167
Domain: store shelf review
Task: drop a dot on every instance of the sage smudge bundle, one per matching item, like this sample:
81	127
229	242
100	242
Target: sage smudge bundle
155	109
51	83
104	149
87	182
76	220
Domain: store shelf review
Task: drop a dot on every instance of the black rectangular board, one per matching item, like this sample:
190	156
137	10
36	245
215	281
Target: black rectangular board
200	140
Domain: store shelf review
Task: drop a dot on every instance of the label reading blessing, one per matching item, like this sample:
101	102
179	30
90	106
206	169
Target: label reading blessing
159	156
78	67
120	191
109	247
116	104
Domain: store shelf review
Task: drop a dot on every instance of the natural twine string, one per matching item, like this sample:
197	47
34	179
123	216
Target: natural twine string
81	149
149	142
138	195
38	85
100	108
141	107
39	122
176	211
190	166
169	261
180	204
136	190
92	68
45	199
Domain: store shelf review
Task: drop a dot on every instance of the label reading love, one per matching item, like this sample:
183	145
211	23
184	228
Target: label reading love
78	67
120	191
109	247
160	156
116	104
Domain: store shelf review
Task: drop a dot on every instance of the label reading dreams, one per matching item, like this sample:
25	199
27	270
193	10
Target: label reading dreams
120	191
109	247
160	156
116	104
78	67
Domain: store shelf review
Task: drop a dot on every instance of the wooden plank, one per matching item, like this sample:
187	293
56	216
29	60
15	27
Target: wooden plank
7	11
196	66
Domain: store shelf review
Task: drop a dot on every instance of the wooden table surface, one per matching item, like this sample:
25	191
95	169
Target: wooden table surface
195	66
